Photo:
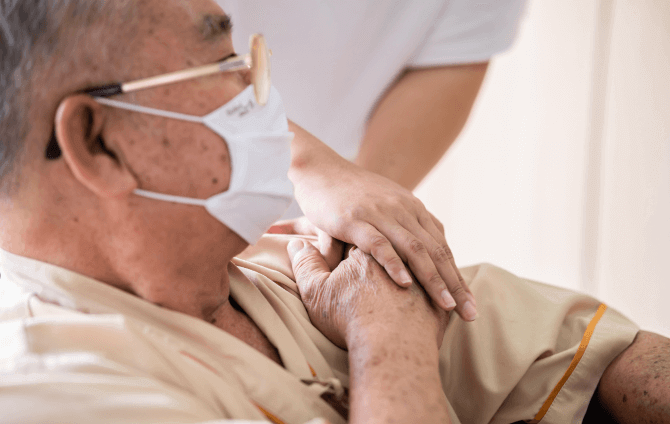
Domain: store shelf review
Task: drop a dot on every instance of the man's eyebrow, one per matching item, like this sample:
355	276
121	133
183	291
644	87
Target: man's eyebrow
213	26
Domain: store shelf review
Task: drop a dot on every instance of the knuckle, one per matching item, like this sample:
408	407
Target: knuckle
435	280
418	204
378	244
357	213
442	254
460	278
394	263
417	247
457	291
409	204
342	220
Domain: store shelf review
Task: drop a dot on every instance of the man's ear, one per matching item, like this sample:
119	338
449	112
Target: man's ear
79	123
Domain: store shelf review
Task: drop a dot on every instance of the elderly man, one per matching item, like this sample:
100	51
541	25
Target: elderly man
122	234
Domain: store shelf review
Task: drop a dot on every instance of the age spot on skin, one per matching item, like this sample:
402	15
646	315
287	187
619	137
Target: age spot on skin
215	181
166	142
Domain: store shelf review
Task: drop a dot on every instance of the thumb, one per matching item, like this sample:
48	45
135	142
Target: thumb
308	264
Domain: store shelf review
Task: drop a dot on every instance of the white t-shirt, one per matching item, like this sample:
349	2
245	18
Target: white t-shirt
333	59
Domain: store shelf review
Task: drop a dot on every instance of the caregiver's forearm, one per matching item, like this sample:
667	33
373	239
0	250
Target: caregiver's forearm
417	120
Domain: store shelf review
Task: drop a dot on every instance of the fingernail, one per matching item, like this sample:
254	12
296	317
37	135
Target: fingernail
469	311
406	278
449	302
294	246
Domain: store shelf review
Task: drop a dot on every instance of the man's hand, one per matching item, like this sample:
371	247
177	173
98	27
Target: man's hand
392	336
382	218
359	294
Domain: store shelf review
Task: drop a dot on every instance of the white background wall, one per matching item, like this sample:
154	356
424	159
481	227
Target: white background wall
563	171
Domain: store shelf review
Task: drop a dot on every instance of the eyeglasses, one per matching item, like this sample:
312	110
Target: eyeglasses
257	61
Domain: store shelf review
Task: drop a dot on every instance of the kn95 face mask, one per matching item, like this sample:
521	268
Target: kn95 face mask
259	144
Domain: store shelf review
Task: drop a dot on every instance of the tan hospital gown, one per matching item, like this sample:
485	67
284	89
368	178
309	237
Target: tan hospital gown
74	350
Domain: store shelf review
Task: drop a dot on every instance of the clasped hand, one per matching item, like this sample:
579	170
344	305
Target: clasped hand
378	216
358	294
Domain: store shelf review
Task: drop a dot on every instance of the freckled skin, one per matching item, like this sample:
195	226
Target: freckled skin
635	387
137	245
127	241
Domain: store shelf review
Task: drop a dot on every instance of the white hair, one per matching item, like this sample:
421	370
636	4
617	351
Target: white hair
7	7
32	34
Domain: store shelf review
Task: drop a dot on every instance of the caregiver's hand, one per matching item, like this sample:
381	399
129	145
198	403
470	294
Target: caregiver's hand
379	216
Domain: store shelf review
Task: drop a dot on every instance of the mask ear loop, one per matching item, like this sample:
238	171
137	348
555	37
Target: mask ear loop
164	114
150	110
170	198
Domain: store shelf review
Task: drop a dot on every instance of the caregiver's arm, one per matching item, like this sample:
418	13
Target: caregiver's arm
380	217
417	120
392	336
411	128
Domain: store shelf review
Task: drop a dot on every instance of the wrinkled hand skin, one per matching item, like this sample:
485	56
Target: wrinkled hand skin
381	218
392	335
358	294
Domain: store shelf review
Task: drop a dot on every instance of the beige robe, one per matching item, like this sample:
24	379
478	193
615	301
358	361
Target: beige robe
75	350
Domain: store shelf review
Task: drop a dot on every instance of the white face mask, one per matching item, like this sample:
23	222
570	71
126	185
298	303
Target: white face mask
259	144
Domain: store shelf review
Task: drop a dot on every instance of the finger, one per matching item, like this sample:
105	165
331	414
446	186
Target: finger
430	224
416	254
443	263
309	267
374	243
331	249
